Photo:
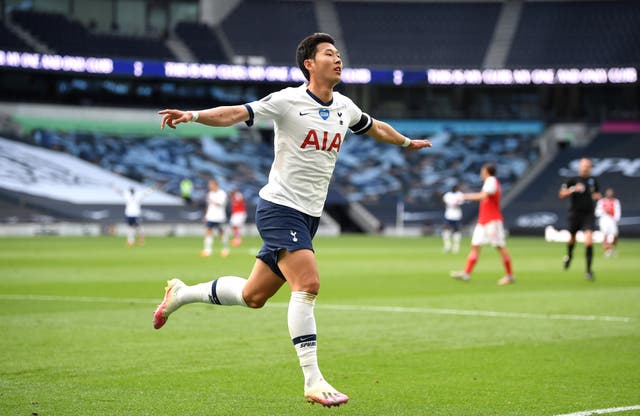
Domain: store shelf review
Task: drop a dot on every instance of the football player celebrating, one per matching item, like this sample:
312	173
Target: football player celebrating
310	123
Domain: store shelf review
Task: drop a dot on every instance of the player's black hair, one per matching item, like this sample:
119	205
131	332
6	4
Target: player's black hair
132	190
307	49
490	168
455	188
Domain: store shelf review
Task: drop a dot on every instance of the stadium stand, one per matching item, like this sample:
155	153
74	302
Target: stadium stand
568	34
65	36
202	41
10	42
367	172
417	34
274	37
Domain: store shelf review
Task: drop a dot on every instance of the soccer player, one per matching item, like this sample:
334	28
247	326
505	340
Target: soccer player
452	216
490	227
583	191
310	125
215	218
132	211
238	217
609	211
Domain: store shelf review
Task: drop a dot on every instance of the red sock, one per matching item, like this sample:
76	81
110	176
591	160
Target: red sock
506	260
472	258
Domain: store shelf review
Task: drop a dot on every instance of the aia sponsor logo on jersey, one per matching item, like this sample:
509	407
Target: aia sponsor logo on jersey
314	140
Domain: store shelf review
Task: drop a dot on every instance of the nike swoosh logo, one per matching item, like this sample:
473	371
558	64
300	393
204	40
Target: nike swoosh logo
307	338
303	114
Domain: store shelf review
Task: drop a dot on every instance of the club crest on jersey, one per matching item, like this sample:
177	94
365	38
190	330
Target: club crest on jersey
324	113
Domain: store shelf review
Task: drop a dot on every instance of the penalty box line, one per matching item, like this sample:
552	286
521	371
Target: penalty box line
354	308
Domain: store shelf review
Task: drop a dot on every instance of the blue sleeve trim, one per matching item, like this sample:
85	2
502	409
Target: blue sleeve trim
251	115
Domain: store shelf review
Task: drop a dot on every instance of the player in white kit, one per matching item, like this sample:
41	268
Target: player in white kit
215	219
453	201
310	123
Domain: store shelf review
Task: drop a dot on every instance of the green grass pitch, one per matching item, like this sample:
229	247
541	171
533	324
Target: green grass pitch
395	333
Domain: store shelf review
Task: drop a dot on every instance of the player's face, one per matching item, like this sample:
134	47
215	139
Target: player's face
326	64
584	168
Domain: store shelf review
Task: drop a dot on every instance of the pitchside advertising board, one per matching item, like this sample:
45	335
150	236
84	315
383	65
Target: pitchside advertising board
616	164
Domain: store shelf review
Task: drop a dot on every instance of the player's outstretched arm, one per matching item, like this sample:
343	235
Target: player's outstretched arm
222	116
384	133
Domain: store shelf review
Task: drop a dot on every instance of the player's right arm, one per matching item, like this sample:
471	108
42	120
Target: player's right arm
566	189
222	116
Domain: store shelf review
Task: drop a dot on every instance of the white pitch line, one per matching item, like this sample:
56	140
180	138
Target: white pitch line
603	411
362	308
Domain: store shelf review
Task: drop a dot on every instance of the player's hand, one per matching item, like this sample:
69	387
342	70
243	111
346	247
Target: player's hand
172	117
579	187
418	144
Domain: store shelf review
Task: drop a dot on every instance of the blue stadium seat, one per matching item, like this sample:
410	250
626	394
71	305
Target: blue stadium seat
577	34
391	35
202	42
270	29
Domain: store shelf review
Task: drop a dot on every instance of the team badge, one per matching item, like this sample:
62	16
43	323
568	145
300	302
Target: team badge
324	113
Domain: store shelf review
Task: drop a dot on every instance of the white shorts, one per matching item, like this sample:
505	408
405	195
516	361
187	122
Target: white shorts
489	233
608	226
238	219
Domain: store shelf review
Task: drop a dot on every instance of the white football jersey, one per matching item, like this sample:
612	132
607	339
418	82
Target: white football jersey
308	136
452	202
216	206
133	201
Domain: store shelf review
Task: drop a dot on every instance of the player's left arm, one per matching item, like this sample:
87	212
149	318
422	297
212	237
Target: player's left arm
476	196
384	133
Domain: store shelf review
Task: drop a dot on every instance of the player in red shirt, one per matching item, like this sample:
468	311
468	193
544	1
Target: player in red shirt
238	217
490	228
608	211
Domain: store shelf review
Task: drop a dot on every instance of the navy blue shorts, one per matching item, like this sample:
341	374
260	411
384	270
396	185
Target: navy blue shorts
283	228
453	224
132	221
217	225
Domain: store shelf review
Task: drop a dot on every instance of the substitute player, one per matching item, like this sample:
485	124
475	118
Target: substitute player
490	228
608	211
238	217
584	192
310	123
215	219
453	201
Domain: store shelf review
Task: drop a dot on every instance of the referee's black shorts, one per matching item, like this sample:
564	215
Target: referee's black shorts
581	220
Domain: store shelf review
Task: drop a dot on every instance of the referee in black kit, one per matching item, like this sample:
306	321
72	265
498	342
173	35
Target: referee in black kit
584	192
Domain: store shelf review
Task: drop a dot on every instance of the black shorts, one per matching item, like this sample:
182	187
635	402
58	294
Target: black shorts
283	228
580	220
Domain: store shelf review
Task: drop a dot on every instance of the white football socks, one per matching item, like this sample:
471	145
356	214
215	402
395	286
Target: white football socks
446	239
302	328
131	236
226	290
208	243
